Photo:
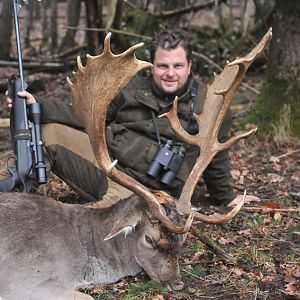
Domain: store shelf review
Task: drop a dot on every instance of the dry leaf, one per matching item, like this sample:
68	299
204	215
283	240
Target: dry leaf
274	159
158	297
227	241
277	216
237	271
292	288
271	204
245	232
265	245
262	230
235	174
273	178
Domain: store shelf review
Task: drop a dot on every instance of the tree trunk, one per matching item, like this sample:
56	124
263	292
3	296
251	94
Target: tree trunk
28	22
53	25
45	28
93	21
278	108
117	24
5	30
74	7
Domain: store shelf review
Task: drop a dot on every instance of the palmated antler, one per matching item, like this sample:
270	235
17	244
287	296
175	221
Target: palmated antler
95	86
218	97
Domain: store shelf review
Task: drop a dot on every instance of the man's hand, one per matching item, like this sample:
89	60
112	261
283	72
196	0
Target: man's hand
248	199
29	98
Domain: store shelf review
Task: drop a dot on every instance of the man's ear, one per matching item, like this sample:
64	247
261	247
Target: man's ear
126	224
190	66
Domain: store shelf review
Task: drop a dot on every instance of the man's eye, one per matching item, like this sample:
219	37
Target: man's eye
162	67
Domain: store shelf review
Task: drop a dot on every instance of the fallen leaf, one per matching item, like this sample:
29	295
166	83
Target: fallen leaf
227	241
256	275
262	230
292	289
274	159
296	274
238	271
158	297
265	245
245	232
272	177
277	216
271	204
235	174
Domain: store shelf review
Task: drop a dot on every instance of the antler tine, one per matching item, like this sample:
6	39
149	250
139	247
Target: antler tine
95	86
218	98
220	219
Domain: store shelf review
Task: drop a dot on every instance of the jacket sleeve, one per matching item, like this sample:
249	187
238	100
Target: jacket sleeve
59	112
217	175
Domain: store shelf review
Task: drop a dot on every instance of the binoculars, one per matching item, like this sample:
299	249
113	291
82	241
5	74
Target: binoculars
167	161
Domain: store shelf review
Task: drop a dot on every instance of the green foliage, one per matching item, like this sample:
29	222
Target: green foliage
190	248
195	272
144	290
277	109
291	256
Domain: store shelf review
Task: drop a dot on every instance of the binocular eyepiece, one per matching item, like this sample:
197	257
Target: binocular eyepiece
168	160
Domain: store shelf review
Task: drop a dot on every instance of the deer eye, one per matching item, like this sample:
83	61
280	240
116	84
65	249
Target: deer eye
149	240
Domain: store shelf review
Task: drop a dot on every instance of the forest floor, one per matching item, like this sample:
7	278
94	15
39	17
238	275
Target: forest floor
263	239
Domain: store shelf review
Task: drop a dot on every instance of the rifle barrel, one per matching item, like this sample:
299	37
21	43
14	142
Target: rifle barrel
16	9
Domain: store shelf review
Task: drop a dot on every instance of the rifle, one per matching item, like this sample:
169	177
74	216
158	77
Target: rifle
25	131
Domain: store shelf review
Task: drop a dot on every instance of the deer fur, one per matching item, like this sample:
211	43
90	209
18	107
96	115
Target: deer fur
48	246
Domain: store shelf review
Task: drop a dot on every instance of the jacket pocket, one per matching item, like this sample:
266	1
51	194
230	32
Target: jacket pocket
130	149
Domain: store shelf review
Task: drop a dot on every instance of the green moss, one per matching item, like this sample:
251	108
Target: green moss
195	272
145	290
190	248
275	98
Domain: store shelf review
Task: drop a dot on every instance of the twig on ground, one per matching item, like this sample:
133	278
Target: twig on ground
212	245
269	210
277	158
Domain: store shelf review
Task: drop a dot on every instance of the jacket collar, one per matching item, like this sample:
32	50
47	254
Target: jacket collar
159	101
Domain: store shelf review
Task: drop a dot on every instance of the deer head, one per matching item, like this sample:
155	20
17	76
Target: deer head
97	83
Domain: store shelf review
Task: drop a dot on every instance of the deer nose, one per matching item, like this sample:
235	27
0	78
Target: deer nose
177	285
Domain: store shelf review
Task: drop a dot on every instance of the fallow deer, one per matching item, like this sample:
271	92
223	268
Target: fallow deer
48	249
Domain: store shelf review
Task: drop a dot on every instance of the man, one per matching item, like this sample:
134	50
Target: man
134	133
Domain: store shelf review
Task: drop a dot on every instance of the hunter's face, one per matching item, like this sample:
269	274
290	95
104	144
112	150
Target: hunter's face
171	69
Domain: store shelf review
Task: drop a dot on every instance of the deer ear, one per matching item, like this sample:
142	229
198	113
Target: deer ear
126	224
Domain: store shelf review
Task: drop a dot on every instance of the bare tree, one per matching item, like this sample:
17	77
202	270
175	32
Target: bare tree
45	27
5	30
73	10
117	24
53	24
28	22
93	20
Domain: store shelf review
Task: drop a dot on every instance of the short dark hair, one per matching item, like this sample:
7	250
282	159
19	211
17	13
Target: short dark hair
171	39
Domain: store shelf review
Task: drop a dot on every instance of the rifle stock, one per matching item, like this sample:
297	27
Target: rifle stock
26	135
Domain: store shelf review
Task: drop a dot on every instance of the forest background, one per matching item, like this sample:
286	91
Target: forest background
265	237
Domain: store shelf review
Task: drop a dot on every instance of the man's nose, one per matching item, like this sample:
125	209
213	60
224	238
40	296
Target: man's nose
171	71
